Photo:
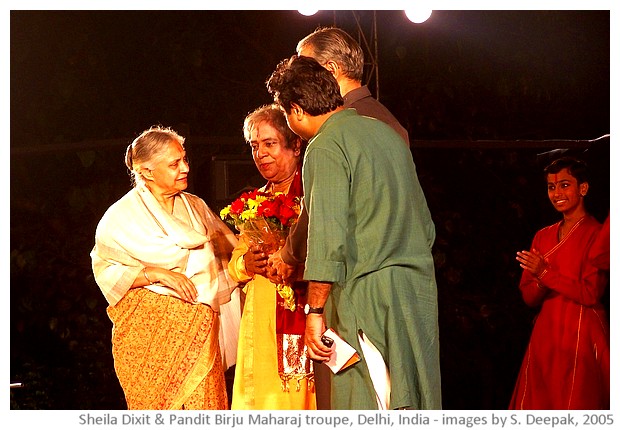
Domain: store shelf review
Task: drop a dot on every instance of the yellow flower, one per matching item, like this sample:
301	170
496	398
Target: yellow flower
246	215
287	293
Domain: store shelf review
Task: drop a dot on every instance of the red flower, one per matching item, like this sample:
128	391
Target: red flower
267	209
287	215
237	206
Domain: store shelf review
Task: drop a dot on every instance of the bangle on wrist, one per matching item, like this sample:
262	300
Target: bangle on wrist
541	274
146	276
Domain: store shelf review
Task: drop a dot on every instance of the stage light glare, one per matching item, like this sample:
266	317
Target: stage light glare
307	11
418	15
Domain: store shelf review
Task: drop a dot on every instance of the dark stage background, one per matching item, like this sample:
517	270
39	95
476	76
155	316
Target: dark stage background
482	93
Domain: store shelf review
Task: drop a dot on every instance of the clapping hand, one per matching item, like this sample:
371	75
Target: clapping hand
532	261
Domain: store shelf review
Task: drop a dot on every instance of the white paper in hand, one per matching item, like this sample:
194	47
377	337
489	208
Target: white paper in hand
343	354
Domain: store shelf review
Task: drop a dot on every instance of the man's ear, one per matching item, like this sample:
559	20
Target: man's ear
333	68
297	111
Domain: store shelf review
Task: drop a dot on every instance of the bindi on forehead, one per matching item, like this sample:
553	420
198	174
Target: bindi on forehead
562	176
261	126
553	179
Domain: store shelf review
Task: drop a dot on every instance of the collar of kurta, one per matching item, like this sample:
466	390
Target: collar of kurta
335	117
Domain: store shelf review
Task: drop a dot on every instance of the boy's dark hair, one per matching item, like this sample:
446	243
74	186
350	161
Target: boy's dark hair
303	81
576	167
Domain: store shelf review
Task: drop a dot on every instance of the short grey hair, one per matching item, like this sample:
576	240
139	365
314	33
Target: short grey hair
335	44
273	115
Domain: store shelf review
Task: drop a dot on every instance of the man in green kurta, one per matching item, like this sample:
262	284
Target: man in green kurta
370	236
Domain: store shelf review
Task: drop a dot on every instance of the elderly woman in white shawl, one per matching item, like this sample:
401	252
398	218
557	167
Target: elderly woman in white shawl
160	259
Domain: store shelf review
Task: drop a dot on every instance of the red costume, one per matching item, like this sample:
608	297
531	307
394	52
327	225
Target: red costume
566	365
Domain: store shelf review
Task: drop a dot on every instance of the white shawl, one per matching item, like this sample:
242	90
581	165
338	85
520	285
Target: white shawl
136	232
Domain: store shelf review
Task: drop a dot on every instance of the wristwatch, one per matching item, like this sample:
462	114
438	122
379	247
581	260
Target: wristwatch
310	310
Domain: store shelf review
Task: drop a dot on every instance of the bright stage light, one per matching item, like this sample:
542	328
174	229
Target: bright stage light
418	15
307	11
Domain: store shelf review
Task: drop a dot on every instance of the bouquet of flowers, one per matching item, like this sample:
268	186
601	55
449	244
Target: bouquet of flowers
265	219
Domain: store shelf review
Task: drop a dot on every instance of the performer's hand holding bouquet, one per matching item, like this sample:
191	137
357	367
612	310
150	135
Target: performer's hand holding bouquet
264	220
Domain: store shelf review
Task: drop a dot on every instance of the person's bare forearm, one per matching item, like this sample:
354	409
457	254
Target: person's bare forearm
318	293
315	322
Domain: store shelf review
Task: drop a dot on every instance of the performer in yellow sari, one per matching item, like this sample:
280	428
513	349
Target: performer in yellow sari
273	370
160	259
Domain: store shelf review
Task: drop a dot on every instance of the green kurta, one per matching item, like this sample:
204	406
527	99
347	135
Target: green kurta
370	232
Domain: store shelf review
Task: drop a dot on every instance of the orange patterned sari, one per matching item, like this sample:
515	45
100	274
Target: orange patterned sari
166	352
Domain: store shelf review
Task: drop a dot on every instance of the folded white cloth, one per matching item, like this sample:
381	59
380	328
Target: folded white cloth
379	373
